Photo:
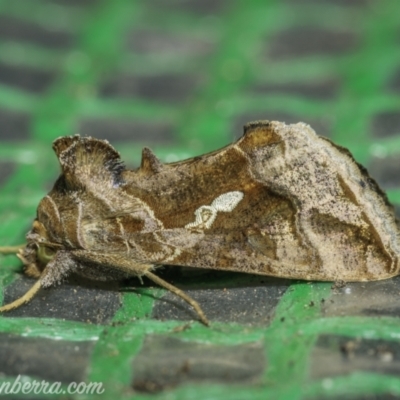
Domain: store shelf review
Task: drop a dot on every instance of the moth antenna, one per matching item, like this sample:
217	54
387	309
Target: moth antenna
150	163
11	249
24	299
181	294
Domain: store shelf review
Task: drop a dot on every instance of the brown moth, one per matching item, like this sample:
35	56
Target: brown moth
281	201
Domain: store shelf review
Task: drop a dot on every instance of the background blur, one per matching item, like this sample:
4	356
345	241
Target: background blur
183	77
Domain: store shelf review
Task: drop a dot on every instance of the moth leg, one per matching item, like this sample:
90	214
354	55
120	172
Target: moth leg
24	299
29	269
57	269
181	294
31	292
11	249
32	270
138	269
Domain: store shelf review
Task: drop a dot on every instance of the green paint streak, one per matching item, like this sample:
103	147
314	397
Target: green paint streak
394	196
19	199
50	328
14	99
95	55
357	384
387	146
215	391
50	16
204	123
118	344
362	84
220	333
292	104
30	55
287	347
114	349
24	152
133	109
385	328
141	302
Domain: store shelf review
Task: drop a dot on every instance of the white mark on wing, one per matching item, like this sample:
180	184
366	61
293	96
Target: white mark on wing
205	215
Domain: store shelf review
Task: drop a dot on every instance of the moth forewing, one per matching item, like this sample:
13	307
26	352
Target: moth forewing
281	201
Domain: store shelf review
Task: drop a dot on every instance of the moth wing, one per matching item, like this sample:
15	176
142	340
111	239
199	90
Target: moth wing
248	250
275	203
88	162
268	240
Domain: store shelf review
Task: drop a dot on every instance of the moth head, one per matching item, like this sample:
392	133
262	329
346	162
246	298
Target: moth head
43	240
39	250
36	255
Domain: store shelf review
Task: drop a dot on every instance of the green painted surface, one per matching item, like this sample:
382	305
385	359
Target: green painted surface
241	35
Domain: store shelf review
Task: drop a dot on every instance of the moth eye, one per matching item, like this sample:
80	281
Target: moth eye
45	254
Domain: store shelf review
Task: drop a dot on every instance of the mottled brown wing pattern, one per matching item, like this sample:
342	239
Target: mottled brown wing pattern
281	201
301	214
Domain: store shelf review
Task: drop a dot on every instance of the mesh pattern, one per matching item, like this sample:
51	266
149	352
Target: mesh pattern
183	77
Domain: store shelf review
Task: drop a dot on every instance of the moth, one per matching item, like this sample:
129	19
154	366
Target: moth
281	201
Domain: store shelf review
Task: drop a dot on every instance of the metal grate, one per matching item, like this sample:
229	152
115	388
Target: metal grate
183	77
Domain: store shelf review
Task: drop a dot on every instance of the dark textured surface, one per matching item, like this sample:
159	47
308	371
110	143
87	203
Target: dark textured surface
152	41
386	124
124	130
25	78
365	298
75	3
324	90
339	355
199	7
394	82
164	363
90	302
300	42
14	125
386	171
6	170
48	359
351	3
183	77
252	301
168	88
12	28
